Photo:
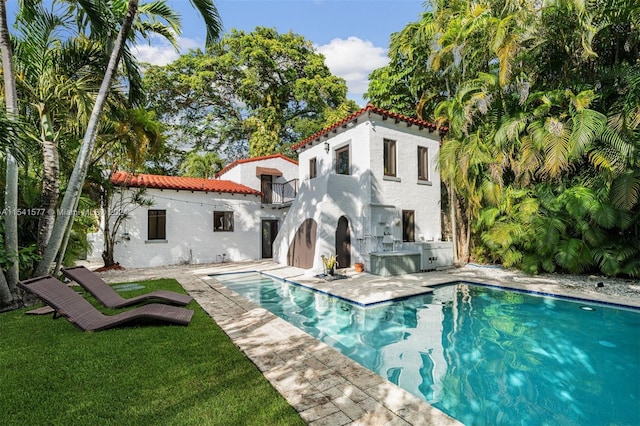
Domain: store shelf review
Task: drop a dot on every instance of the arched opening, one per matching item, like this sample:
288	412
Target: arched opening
303	247
343	243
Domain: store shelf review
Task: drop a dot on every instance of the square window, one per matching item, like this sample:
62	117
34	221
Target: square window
156	224
389	157
343	163
222	221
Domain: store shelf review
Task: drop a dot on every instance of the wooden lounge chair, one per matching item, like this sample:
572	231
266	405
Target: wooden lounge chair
84	315
111	299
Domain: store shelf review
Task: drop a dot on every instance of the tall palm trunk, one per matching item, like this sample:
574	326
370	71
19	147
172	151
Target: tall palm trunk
8	289
79	173
462	238
107	235
65	242
452	217
50	181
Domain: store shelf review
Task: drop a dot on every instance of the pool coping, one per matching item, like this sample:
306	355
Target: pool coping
323	385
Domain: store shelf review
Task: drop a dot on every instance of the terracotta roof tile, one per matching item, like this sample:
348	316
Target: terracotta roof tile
369	108
180	183
249	160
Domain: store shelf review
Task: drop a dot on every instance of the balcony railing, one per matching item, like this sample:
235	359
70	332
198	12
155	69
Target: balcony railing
279	193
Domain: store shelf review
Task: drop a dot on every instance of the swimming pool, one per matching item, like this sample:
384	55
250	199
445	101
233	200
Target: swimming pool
482	355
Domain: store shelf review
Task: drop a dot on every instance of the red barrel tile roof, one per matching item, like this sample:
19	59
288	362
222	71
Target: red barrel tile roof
374	109
180	183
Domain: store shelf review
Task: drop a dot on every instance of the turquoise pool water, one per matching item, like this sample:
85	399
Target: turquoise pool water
483	355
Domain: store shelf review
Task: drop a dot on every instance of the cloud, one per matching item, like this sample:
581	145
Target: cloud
160	52
354	59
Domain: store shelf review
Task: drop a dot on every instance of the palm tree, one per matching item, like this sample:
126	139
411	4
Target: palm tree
201	166
57	84
74	188
79	173
8	289
59	79
11	130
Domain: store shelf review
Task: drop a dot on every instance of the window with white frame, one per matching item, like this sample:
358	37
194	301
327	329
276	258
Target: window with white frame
222	221
423	163
343	162
156	224
313	168
389	157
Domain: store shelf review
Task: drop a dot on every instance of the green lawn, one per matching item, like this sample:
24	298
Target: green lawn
53	373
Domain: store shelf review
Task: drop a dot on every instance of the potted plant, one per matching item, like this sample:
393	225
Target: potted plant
330	264
358	266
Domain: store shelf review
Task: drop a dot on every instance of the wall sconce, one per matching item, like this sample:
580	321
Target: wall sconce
326	147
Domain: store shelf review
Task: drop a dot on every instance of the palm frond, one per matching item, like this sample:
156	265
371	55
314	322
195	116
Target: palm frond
632	267
578	201
556	146
587	126
487	217
574	255
159	10
148	30
621	147
625	190
211	18
608	260
547	233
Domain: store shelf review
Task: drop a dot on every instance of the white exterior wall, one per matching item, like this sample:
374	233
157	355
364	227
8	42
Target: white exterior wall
357	136
329	196
405	192
372	203
235	175
245	173
189	230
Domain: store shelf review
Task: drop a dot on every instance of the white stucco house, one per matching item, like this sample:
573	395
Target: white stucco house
365	189
369	193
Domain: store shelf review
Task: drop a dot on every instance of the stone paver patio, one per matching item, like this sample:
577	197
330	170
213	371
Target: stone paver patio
324	386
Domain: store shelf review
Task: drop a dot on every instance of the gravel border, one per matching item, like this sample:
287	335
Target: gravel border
590	285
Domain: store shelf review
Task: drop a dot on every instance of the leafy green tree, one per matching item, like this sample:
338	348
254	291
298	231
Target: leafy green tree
252	93
541	101
405	85
202	165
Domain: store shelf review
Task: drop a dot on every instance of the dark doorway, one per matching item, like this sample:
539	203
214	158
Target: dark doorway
303	247
408	225
343	243
266	186
269	232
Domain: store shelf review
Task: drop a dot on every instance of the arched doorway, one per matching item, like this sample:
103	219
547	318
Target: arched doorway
303	247
343	243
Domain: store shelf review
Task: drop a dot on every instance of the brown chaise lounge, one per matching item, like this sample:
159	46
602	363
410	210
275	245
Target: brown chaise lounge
84	315
111	299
